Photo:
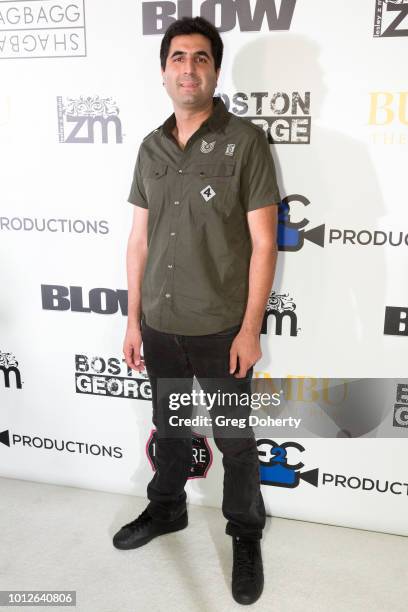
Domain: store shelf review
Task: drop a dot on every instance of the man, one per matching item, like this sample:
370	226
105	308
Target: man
200	262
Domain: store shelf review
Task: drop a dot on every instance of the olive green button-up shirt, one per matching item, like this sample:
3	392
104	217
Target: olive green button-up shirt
199	246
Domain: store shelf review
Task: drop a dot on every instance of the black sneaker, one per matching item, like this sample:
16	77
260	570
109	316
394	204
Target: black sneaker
247	570
144	528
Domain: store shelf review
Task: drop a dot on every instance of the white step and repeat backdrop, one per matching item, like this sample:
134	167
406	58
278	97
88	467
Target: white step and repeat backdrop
80	87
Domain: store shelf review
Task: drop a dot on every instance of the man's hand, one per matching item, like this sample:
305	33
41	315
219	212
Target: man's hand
131	349
245	347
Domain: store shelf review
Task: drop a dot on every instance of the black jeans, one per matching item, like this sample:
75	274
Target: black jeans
169	356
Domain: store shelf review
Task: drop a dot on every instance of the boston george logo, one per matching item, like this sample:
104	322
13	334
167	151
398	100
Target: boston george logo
110	377
283	115
82	115
401	406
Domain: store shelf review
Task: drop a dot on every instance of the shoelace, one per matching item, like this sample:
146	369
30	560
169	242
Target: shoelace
140	521
245	559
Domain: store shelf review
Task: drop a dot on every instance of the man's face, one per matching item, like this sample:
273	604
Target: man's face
190	77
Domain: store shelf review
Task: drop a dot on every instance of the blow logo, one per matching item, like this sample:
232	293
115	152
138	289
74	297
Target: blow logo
83	114
100	300
157	16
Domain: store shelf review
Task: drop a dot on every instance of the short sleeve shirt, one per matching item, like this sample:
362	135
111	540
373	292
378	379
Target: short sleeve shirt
196	277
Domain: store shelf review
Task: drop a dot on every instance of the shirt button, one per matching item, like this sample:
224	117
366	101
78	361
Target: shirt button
172	233
169	265
168	295
180	171
177	202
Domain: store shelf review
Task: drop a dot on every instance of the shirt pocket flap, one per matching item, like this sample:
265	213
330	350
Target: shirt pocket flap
156	170
214	169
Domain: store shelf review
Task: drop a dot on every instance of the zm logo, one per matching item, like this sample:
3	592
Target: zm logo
280	306
291	235
10	369
83	114
275	469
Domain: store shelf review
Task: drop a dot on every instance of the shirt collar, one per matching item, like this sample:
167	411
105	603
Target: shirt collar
216	121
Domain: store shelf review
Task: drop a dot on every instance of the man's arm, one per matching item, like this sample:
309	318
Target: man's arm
262	224
136	256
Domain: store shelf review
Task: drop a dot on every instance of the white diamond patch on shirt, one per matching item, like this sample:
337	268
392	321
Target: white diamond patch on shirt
207	193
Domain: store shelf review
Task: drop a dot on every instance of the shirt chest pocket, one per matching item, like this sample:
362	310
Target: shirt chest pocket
212	188
154	181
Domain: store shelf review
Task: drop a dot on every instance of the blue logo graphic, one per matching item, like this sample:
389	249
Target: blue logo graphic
291	234
275	469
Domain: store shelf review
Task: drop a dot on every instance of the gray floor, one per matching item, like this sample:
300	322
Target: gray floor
55	537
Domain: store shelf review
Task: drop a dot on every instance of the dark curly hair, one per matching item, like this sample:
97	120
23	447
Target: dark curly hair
192	25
